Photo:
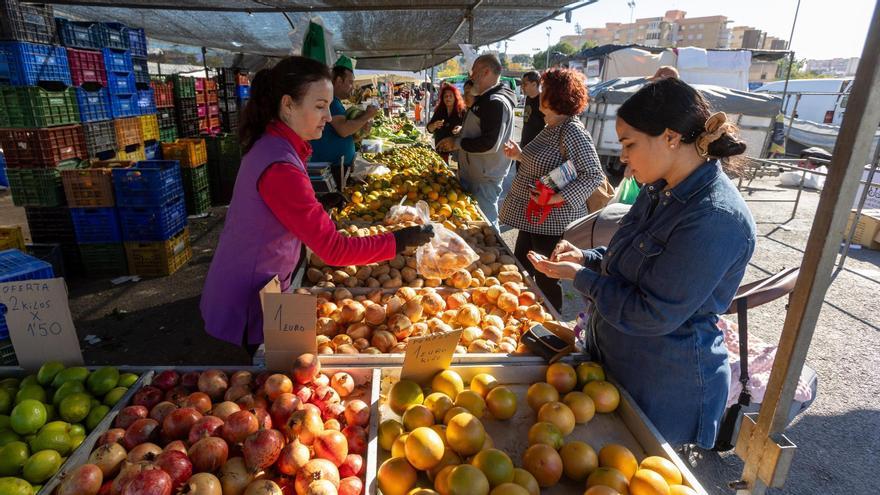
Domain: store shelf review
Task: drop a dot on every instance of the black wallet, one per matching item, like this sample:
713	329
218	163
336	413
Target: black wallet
547	343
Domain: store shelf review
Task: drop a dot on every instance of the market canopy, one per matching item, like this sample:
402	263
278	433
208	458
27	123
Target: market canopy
380	34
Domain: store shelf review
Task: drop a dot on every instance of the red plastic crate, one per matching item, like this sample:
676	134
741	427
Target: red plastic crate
214	122
211	85
43	148
212	98
163	93
200	98
86	66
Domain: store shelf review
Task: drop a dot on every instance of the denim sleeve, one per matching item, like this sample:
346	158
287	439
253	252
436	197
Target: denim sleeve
696	259
593	258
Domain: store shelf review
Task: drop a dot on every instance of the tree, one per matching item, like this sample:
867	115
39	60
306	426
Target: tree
589	44
449	69
797	70
539	60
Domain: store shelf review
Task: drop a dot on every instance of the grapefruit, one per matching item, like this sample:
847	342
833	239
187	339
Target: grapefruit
398	449
605	395
664	467
441	430
540	394
424	448
396	476
558	414
525	479
467	480
647	482
562	376
465	434
501	402
681	490
509	489
389	430
483	383
422	491
544	463
417	416
601	490
404	394
620	458
581	405
439	404
546	433
450	458
609	477
496	465
453	413
448	382
471	401
588	372
441	480
578	460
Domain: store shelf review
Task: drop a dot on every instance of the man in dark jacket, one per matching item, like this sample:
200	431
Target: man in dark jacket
488	124
533	119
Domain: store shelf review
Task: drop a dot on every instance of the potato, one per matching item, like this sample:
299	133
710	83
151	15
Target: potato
511	276
417	283
408	274
395	273
317	262
351	282
487	258
326	284
383	278
314	275
507	260
509	268
350	270
433	282
373	283
363	273
398	262
381	269
339	276
392	283
411	262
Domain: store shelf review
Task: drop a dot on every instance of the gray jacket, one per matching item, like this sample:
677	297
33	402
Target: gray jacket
487	126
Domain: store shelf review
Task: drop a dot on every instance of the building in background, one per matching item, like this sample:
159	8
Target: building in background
841	67
674	28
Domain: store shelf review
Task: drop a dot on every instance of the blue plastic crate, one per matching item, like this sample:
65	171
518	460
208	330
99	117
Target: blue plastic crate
123	106
93	105
96	225
15	266
141	71
113	35
121	83
26	64
4	181
146	102
78	34
243	92
148	183
153	223
153	150
137	42
117	60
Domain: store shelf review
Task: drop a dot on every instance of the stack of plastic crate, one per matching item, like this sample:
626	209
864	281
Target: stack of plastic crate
54	225
152	212
226	100
242	88
16	266
193	157
185	106
165	114
224	159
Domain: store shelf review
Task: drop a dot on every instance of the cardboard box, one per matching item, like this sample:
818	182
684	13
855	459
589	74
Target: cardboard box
868	229
872	200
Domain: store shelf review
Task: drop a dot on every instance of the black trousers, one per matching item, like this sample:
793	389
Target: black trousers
542	244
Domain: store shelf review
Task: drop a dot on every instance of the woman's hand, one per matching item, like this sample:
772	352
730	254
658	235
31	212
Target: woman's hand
555	199
433	126
512	150
447	145
567	252
559	270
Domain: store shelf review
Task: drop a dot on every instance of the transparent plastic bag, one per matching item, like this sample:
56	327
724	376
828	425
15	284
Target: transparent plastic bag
401	213
445	254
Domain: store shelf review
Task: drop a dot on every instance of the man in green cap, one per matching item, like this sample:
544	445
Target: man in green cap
337	143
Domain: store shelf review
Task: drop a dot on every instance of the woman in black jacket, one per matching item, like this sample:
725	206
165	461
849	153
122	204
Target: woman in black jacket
448	115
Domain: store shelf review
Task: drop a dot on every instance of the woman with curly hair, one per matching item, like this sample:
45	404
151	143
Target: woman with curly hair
564	139
448	114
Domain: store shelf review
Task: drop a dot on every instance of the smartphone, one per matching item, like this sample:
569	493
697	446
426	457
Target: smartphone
538	256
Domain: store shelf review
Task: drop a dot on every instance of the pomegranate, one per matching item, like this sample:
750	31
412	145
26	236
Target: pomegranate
292	458
202	484
261	449
214	383
177	394
314	470
263	417
176	464
236	392
128	472
324	396
112	435
342	383
150	482
306	368
109	458
106	488
282	407
148	397
321	380
190	380
263	487
331	445
166	380
144	452
224	409
177	445
198	401
235	477
239	426
357	413
357	439
333	411
352	466
261	378
305	425
162	409
208	455
84	480
129	415
207	426
321	487
276	385
332	424
303	392
351	485
177	424
141	431
241	377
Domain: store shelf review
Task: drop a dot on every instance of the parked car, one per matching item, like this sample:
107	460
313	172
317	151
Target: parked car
825	108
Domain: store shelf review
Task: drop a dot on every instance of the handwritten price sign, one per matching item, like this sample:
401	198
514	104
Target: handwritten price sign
426	356
289	325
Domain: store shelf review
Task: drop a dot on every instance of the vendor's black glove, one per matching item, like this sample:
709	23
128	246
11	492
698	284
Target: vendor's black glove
412	236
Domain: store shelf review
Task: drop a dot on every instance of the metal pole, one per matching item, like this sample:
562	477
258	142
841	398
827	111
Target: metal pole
205	65
850	155
790	51
547	63
858	214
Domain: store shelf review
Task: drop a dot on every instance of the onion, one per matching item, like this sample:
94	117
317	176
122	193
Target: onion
326	326
413	309
456	300
433	303
468	315
393	305
352	312
508	302
383	340
341	294
375	314
400	326
326	309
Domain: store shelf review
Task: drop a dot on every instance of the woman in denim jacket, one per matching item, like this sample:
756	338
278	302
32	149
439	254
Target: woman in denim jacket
655	291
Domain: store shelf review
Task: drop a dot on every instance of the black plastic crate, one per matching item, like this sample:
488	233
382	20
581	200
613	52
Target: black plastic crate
188	128
229	121
100	137
26	22
75	34
50	253
184	87
194	179
198	202
141	72
137	42
225	76
104	260
166	117
113	35
168	135
186	108
227	105
50	225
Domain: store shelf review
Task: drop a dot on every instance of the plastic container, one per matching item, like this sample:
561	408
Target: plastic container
16	265
229	121
225	76
227	105
86	66
168	135
75	34
146	102
184	87
141	72
372	146
133	153
149	127
27	64
117	60
36	187
34	107
96	225
166	117
50	253
137	42
186	109
194	179
189	152
11	237
88	187
159	259
121	83
26	22
202	111
123	105
243	92
3	180
164	94
104	260
128	132
153	150
100	137
148	183
188	128
50	224
198	202
94	106
113	35
42	148
152	223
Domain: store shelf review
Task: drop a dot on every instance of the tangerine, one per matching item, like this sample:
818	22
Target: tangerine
647	482
609	477
618	457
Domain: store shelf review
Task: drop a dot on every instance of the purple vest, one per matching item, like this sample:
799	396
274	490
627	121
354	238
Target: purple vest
254	247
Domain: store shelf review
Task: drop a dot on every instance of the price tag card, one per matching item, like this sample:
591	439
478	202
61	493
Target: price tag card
289	325
426	356
39	321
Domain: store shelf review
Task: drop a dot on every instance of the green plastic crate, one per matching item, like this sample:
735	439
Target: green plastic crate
36	186
198	202
223	146
194	179
184	87
104	260
168	135
36	107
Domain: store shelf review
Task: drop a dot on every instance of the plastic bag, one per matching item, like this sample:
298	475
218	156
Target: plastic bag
400	213
445	254
627	192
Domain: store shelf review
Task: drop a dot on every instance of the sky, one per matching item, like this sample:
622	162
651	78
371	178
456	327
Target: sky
824	29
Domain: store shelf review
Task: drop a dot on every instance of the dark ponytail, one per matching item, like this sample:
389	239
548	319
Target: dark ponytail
673	104
290	76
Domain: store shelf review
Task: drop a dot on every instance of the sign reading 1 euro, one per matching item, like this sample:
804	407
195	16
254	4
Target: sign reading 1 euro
39	322
289	325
